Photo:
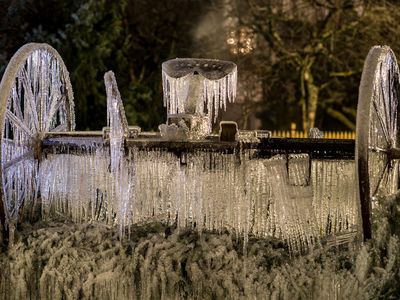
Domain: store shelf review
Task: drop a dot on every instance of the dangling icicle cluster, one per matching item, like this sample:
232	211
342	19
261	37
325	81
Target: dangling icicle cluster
219	86
218	92
295	200
205	190
175	93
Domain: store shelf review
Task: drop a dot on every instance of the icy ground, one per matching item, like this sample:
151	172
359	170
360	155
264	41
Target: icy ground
63	260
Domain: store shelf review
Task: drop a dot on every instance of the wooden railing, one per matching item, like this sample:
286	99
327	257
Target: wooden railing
293	133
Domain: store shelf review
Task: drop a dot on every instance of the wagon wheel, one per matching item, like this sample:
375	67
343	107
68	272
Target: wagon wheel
377	138
35	97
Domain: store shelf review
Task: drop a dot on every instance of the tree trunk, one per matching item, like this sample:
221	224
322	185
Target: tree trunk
309	98
303	103
312	103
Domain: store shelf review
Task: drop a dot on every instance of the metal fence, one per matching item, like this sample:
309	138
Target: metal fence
293	133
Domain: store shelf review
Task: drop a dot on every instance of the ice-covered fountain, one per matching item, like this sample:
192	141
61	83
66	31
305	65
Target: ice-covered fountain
299	190
195	90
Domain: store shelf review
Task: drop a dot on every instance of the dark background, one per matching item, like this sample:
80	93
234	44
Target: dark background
298	60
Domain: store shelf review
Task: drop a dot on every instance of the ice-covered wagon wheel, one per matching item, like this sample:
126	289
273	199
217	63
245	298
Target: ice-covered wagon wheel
36	97
377	141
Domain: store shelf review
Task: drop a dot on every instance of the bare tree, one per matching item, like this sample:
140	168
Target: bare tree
317	46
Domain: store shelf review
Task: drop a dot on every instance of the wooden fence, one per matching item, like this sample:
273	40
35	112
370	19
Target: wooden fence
293	133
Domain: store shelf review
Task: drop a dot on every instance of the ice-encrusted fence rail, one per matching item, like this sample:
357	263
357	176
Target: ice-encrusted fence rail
211	190
298	190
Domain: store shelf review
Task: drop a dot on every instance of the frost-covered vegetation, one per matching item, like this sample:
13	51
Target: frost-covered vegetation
63	260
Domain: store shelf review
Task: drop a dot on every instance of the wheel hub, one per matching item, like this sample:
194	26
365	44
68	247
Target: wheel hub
37	148
394	153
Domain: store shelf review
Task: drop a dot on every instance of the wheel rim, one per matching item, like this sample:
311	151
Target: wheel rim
377	130
36	97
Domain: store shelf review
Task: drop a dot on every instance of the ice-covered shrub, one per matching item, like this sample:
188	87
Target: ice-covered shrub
89	261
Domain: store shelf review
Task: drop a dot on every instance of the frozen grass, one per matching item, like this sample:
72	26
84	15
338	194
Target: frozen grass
61	260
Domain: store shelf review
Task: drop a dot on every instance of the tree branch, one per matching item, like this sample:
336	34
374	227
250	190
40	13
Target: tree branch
342	74
341	118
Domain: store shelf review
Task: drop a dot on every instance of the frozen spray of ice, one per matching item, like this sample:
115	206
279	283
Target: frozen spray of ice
210	190
285	197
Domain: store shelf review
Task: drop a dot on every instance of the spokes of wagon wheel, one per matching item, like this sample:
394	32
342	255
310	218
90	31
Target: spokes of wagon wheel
377	142
36	98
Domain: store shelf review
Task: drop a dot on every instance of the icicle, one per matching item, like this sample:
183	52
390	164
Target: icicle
334	195
219	86
299	169
204	189
116	120
218	92
121	175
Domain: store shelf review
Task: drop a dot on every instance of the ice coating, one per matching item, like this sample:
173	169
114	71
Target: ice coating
377	131
204	190
186	127
383	134
39	100
116	120
334	197
87	261
198	86
284	197
288	197
121	176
